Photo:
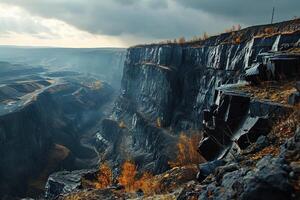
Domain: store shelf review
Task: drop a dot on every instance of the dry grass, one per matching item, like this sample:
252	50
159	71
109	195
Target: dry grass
187	151
122	125
269	31
294	50
80	196
161	197
273	91
282	130
104	176
176	178
95	195
237	40
285	127
102	179
162	186
158	123
129	180
270	150
272	31
234	28
181	40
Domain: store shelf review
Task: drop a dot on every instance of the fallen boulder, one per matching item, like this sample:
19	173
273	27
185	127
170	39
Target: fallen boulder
208	168
64	182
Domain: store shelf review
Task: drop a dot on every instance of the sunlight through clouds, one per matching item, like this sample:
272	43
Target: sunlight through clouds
122	23
18	27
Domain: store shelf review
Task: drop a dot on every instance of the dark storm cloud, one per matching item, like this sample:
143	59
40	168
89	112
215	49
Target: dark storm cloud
247	11
151	3
158	18
143	18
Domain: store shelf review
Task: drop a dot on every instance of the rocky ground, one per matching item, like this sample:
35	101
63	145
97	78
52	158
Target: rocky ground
267	169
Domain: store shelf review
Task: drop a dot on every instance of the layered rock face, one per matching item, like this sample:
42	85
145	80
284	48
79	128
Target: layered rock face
22	146
46	124
165	88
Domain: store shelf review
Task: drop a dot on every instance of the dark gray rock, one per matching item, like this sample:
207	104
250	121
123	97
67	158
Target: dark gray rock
274	66
222	170
270	178
294	98
267	109
250	132
64	182
227	190
208	168
268	181
298	86
262	142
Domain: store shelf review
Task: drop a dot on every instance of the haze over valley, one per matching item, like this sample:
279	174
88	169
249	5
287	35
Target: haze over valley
149	99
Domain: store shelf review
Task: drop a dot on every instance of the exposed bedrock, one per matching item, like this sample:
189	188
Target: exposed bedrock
270	177
23	147
166	87
43	134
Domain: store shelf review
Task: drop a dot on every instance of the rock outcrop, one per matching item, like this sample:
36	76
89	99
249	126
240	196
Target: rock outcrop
64	182
166	87
270	177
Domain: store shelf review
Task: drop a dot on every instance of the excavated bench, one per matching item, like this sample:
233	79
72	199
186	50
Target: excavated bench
239	119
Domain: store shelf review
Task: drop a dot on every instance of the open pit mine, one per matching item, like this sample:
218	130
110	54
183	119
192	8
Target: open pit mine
217	118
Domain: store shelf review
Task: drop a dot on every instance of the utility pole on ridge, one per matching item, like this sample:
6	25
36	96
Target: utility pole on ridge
273	12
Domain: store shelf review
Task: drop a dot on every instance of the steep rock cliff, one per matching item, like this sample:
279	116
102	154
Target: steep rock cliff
165	88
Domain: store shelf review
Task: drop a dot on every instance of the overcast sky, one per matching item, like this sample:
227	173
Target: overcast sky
121	23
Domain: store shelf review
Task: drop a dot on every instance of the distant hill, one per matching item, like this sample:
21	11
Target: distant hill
104	62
